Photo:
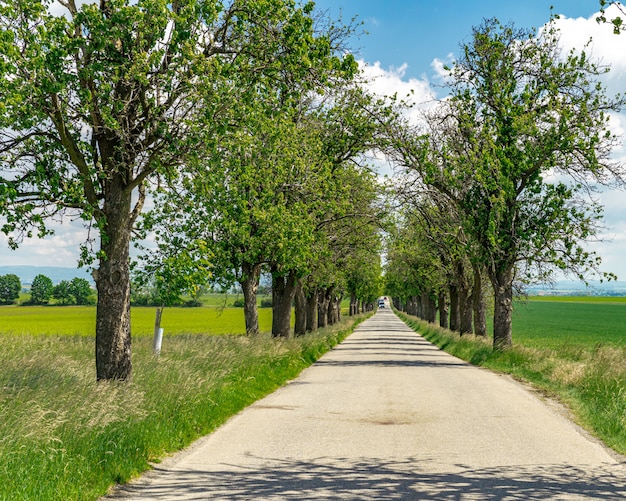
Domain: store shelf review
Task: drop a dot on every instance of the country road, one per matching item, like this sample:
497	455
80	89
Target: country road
386	415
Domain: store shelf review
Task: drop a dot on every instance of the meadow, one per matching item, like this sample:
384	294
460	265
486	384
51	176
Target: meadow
81	320
554	322
569	349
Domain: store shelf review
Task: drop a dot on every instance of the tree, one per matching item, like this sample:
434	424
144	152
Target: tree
617	21
41	289
101	101
80	290
10	288
63	292
521	110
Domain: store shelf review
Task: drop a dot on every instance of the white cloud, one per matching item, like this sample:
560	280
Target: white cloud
604	47
391	81
60	249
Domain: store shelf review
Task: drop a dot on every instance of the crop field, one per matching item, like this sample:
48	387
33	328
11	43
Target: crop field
557	322
81	320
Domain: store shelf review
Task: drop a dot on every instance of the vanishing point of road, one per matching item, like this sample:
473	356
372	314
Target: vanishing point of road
386	415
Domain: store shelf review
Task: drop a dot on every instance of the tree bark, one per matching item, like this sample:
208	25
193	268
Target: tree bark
283	292
301	313
250	286
429	308
455	313
311	311
113	336
502	282
466	311
480	307
322	317
333	315
443	310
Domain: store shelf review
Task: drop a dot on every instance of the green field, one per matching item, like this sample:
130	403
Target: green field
81	320
557	322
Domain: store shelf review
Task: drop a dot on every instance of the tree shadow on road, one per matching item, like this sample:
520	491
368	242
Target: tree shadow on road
372	479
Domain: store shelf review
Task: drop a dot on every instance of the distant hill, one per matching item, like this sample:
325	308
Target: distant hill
54	273
576	288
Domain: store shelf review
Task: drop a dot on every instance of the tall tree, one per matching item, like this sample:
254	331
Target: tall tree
10	288
41	289
520	111
102	100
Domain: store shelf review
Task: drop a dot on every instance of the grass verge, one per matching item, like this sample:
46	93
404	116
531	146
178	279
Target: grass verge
63	436
591	381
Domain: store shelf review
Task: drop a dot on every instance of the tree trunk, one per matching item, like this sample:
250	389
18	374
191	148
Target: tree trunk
443	310
430	308
113	337
322	317
503	309
354	305
283	292
311	311
332	308
301	313
250	285
480	307
338	308
455	313
465	311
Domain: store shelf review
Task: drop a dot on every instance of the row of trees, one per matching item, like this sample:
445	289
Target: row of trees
498	180
76	291
233	117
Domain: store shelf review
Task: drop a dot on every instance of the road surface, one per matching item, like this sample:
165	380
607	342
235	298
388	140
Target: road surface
386	415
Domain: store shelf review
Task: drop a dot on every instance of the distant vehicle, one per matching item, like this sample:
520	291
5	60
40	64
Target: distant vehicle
381	303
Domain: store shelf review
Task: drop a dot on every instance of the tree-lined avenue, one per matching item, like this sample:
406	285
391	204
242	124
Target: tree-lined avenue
386	415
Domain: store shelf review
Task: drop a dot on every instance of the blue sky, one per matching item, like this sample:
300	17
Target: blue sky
417	31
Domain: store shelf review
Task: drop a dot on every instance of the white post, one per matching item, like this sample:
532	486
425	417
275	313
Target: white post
158	339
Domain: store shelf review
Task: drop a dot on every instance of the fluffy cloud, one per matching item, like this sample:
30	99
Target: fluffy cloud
60	249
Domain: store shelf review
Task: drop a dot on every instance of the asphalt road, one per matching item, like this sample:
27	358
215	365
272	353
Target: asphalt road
386	415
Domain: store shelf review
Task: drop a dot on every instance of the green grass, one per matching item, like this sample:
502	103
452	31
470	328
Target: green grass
570	350
81	320
553	323
64	436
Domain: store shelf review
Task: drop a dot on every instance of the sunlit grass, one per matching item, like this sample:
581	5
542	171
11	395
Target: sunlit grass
81	320
554	322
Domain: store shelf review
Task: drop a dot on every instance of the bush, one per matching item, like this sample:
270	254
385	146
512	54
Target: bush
266	302
238	303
